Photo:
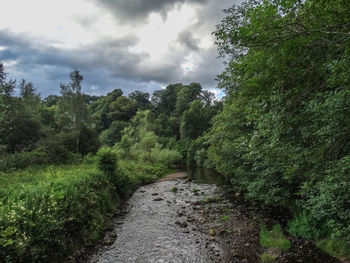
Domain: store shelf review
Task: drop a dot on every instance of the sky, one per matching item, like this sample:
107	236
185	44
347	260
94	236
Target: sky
127	44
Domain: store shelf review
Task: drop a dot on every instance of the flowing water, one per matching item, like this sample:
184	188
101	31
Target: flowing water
158	228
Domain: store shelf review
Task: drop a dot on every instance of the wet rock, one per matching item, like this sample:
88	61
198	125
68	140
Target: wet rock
181	224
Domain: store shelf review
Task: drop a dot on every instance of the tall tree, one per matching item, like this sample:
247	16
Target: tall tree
72	112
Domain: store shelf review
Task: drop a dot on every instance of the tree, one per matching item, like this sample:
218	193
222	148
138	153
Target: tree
72	112
141	99
185	96
283	135
122	109
193	121
50	100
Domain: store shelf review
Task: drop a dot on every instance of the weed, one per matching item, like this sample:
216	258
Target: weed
224	218
336	247
173	189
274	238
267	258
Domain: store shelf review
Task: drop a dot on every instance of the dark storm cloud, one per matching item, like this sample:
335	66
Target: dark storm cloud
108	63
138	10
186	38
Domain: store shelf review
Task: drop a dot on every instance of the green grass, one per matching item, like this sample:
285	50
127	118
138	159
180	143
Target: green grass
214	199
47	213
336	247
267	258
224	218
274	238
173	189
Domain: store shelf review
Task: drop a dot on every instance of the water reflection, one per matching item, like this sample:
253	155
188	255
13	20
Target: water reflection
203	175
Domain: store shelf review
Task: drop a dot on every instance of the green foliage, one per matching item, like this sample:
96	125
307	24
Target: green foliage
107	160
224	218
173	189
274	238
23	159
282	137
305	226
337	247
47	214
267	258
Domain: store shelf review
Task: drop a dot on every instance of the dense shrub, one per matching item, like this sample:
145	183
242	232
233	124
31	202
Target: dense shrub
47	214
23	159
283	135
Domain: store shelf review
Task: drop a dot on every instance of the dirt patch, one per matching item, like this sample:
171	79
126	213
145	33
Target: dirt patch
174	176
235	227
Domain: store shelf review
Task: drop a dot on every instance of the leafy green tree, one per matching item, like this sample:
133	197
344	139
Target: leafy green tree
194	121
185	96
50	100
285	121
141	99
121	109
72	113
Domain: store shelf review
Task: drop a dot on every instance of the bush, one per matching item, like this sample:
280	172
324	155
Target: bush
23	159
107	160
47	214
337	247
165	156
305	226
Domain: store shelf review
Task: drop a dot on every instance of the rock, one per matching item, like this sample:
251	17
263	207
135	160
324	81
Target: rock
181	224
190	219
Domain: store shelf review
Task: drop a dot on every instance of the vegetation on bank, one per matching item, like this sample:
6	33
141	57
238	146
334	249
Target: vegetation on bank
283	135
49	213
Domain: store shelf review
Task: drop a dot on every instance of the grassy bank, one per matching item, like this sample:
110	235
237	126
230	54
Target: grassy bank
49	213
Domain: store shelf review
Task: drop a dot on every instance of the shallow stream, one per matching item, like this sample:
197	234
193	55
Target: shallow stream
157	226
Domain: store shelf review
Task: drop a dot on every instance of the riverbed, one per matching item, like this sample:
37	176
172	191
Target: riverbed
185	219
159	225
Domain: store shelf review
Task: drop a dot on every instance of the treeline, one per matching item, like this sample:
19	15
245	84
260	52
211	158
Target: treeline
62	128
283	135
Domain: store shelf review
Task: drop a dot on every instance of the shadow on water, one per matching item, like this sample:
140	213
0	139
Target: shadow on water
205	176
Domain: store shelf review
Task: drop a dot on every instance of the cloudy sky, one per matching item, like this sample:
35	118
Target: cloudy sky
127	44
